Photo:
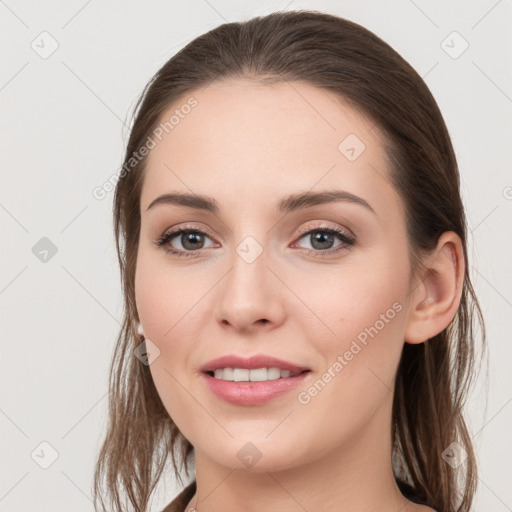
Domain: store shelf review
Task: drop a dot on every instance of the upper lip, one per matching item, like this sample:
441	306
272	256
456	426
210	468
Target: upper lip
257	361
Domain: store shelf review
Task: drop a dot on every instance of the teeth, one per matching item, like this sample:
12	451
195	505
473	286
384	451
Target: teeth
255	375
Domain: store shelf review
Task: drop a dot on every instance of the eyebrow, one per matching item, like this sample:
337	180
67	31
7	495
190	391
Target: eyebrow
290	203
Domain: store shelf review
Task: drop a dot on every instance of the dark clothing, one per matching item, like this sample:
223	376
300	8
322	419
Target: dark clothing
179	503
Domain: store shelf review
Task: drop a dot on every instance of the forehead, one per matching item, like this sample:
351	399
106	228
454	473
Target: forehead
243	139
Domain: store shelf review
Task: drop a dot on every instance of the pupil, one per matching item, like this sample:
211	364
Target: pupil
325	240
191	238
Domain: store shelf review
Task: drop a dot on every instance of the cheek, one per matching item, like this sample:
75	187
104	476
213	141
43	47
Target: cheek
353	297
360	336
165	296
170	303
356	379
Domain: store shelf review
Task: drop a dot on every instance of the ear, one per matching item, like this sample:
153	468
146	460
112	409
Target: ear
436	296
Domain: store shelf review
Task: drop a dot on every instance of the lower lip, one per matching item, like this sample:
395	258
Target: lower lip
252	393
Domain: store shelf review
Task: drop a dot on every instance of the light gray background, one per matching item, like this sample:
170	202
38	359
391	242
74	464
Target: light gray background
62	135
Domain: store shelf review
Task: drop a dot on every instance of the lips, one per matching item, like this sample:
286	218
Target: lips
251	363
253	393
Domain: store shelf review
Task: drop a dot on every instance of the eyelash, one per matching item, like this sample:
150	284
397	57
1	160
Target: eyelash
346	240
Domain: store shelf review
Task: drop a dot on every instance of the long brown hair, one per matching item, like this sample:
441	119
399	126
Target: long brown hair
434	377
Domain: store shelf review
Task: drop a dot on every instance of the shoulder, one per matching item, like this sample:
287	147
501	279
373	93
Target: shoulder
179	503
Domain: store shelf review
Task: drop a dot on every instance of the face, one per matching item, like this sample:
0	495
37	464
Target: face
320	284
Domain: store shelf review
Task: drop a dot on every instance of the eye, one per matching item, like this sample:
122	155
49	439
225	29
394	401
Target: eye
187	242
183	242
322	240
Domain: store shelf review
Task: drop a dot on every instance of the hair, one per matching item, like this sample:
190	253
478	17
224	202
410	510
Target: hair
433	378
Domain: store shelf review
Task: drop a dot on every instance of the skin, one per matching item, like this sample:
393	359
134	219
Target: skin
248	146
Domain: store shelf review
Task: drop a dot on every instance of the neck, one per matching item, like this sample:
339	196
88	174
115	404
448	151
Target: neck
356	475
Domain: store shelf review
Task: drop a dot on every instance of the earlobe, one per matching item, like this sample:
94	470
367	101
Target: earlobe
437	296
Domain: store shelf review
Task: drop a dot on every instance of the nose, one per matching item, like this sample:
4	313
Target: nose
251	297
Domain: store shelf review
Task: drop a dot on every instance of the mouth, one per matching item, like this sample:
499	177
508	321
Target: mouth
253	375
257	363
244	391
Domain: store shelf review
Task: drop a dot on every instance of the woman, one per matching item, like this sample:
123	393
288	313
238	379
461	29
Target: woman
292	245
